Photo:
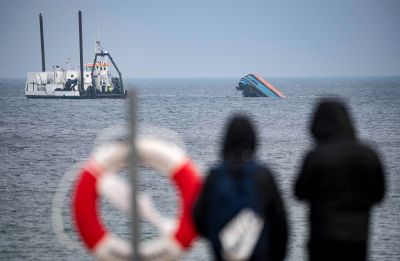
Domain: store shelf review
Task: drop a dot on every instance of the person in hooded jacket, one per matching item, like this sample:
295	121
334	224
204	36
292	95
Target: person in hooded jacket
240	210
340	179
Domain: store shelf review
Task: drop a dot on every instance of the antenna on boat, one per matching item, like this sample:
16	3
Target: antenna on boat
82	88
98	25
67	61
98	48
132	111
42	42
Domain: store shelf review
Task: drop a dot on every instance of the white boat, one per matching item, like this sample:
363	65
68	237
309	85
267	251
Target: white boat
93	81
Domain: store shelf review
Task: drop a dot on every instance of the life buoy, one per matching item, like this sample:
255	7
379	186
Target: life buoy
98	172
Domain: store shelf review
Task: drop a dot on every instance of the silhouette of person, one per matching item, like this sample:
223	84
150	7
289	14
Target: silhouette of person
240	210
340	179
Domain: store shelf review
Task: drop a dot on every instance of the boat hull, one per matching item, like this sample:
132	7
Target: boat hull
253	85
57	91
101	96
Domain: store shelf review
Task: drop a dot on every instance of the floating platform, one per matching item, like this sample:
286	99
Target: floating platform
253	85
93	82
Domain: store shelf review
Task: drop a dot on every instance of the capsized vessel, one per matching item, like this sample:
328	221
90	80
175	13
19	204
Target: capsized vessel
253	85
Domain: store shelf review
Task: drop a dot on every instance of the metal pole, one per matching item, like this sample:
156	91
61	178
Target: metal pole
133	163
42	42
119	73
82	88
92	75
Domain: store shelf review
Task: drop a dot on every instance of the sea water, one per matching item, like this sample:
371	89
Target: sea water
41	139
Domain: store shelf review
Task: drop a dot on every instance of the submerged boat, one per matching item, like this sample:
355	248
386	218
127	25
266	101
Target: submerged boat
95	81
253	85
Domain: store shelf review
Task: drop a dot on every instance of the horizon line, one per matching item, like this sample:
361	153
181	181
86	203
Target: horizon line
227	77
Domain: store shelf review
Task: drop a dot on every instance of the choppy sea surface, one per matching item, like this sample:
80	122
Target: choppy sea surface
40	140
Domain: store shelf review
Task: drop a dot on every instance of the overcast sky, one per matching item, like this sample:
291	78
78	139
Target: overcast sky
208	38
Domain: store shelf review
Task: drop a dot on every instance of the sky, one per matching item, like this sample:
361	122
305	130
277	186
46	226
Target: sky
207	38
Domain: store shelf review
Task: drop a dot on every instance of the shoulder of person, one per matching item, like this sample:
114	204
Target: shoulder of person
213	173
367	147
315	153
256	165
263	171
369	152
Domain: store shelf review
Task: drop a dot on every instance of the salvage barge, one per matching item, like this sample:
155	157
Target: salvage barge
93	82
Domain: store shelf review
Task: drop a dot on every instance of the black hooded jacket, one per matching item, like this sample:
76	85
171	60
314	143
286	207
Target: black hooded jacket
237	151
341	179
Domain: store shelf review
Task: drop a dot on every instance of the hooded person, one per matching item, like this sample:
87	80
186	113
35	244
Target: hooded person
240	210
340	180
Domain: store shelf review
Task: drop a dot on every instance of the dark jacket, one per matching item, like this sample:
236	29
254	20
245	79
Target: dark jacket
237	153
340	178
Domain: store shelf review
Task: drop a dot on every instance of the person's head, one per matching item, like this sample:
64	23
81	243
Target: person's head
240	139
331	121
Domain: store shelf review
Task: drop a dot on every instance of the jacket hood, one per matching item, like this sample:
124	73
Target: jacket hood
331	122
240	139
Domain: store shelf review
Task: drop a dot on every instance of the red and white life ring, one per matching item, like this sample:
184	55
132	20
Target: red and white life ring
96	179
